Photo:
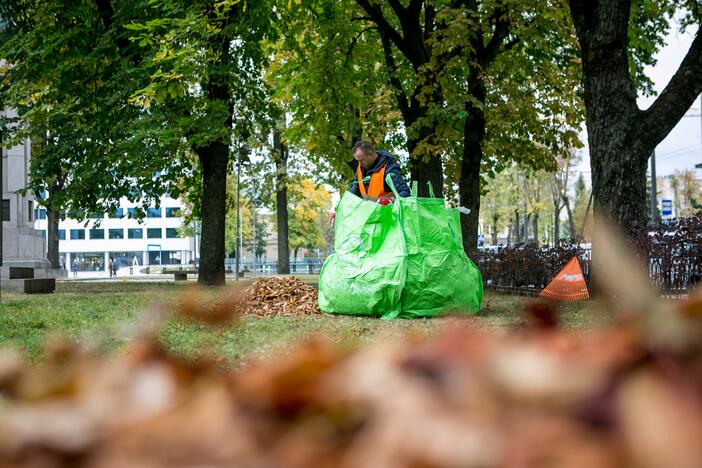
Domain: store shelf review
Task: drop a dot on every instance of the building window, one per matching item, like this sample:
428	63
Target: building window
95	215
6	210
77	234
153	213
30	211
135	233
171	233
62	234
43	233
117	213
97	233
40	213
116	233
131	213
153	233
172	212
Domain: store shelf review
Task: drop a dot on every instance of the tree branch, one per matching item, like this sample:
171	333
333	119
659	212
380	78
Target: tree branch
677	97
392	34
502	27
429	16
394	78
354	41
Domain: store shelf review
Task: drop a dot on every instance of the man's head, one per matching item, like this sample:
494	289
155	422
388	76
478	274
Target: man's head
364	153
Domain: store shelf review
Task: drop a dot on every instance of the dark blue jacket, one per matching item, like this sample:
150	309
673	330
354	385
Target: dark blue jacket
391	167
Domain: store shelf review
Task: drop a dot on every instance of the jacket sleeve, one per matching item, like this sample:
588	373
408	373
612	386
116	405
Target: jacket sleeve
353	188
397	179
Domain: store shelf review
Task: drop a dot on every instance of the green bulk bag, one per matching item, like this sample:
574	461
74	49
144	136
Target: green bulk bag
366	273
440	276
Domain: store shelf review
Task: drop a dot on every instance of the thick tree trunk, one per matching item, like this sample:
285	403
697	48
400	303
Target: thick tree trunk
280	154
469	181
52	239
425	171
214	159
620	135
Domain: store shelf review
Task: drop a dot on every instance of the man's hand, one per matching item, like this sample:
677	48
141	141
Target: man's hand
385	201
332	217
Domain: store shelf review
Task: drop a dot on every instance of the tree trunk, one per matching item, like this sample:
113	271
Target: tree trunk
517	229
214	159
557	225
525	224
280	153
535	223
52	239
571	221
469	181
620	135
495	218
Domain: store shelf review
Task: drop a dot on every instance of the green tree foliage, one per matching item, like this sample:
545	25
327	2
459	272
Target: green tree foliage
327	74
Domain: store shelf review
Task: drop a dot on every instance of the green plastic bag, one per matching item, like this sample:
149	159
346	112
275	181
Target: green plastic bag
404	260
366	273
440	276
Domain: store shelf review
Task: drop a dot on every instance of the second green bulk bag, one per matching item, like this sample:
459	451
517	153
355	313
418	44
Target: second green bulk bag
440	276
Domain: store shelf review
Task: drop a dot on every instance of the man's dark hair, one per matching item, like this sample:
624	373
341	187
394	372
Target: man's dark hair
366	147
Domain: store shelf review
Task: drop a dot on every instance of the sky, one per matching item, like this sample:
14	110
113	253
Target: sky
682	148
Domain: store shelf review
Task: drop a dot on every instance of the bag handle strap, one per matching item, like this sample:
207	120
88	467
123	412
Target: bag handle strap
414	189
388	180
431	190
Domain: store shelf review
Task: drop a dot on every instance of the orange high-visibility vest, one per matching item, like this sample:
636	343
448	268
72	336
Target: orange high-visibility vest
376	186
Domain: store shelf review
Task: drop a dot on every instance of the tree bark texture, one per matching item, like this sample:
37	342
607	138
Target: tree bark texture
280	152
469	179
620	135
52	239
214	159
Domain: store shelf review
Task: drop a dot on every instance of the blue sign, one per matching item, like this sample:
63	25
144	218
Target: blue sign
666	207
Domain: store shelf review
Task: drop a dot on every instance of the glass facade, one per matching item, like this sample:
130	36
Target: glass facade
135	233
6	210
117	213
127	259
62	234
77	234
89	261
171	233
154	233
116	233
172	212
153	213
97	233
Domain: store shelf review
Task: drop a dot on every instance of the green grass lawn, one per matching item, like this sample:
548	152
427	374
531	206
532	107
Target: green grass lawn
102	314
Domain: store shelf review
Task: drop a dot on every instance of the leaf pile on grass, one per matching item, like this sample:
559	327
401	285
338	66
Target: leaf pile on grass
625	395
280	296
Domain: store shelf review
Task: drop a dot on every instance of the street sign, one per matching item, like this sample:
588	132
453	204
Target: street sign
666	207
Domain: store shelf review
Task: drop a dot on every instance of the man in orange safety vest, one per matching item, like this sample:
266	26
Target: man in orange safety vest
371	170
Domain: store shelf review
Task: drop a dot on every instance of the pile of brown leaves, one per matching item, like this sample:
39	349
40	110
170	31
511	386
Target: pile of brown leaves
626	395
280	296
537	397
